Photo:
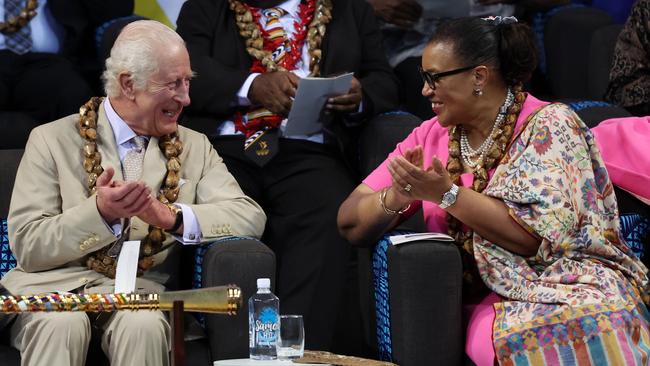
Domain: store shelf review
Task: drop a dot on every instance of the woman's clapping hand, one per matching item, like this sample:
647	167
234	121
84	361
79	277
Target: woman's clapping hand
411	180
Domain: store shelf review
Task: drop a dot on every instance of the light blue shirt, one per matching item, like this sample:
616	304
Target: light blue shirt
124	140
47	33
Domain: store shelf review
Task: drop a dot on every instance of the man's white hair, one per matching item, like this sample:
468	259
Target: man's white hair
136	51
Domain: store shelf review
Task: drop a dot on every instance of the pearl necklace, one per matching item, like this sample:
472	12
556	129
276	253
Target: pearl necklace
472	157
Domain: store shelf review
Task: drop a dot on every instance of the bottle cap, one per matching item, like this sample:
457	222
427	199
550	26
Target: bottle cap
263	283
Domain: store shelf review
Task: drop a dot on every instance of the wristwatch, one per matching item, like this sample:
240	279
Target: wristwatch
179	218
449	197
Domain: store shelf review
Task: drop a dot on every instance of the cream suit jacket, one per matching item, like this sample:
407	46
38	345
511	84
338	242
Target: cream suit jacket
54	225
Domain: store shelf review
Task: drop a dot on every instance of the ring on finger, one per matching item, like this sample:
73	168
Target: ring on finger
408	187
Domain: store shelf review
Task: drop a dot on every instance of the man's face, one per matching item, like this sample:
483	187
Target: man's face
161	102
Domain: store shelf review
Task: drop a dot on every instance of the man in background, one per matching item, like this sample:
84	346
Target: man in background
250	57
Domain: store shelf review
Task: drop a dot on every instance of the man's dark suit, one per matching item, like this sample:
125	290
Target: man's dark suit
303	186
27	81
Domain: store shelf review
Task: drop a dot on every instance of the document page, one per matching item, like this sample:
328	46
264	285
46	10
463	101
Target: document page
407	238
304	117
127	267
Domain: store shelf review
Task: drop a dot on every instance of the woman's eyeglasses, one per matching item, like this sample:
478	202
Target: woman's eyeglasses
431	78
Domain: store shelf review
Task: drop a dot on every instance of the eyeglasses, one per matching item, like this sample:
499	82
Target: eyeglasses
431	78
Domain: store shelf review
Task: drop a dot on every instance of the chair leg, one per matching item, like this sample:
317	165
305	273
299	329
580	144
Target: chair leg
178	336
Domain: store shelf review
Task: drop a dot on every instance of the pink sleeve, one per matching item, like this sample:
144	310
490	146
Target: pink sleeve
623	144
380	177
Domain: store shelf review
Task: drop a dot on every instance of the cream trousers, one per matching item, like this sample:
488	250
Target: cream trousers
61	339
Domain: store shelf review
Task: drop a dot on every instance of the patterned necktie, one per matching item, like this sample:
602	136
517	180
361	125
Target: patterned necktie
263	144
132	164
19	42
132	169
277	34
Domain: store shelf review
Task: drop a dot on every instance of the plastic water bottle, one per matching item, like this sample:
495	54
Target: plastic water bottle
263	321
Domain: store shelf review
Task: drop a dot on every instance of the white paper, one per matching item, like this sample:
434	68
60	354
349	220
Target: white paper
407	238
127	267
304	116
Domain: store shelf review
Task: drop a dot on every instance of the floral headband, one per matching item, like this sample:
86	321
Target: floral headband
499	20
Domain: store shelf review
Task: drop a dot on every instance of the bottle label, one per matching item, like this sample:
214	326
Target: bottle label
267	327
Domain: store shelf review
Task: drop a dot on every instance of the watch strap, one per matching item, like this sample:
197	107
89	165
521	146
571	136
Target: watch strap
179	218
449	197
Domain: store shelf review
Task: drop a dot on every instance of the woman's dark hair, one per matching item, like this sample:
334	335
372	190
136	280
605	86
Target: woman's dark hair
509	47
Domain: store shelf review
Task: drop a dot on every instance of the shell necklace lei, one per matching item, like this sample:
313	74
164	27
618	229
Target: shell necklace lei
314	17
171	147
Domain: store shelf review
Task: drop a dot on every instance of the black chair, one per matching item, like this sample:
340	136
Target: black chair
107	33
425	276
15	127
593	112
567	40
601	54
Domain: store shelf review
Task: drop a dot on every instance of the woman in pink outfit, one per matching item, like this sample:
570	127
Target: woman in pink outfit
522	187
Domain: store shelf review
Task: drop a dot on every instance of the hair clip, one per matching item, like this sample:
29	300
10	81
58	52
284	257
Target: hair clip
498	19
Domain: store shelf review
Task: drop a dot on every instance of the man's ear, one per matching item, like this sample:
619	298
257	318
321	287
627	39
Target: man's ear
481	74
127	86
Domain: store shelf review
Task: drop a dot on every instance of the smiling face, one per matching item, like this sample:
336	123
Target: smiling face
158	106
451	100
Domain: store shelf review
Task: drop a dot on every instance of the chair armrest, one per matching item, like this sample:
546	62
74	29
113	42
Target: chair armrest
238	261
425	280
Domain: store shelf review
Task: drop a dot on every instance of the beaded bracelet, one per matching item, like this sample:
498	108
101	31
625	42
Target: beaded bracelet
388	211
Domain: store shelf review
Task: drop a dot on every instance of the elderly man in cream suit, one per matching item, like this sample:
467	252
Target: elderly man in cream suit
71	202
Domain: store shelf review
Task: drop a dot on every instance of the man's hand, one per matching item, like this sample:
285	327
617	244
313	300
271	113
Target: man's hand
347	103
274	90
118	199
403	13
159	215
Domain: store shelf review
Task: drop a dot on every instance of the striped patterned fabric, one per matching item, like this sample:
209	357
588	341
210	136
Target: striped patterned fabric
635	229
609	334
7	260
382	303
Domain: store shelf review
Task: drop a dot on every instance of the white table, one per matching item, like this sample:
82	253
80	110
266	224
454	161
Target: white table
249	362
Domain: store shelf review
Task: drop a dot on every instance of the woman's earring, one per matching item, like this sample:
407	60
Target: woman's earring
478	92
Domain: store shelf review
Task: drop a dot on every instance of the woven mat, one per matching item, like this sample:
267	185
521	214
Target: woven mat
320	357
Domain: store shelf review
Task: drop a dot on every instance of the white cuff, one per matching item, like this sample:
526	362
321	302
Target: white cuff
116	229
242	94
191	228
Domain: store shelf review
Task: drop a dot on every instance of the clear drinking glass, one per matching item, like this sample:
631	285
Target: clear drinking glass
291	340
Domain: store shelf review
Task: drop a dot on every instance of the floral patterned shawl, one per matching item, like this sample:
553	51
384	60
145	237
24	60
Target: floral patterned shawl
578	301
